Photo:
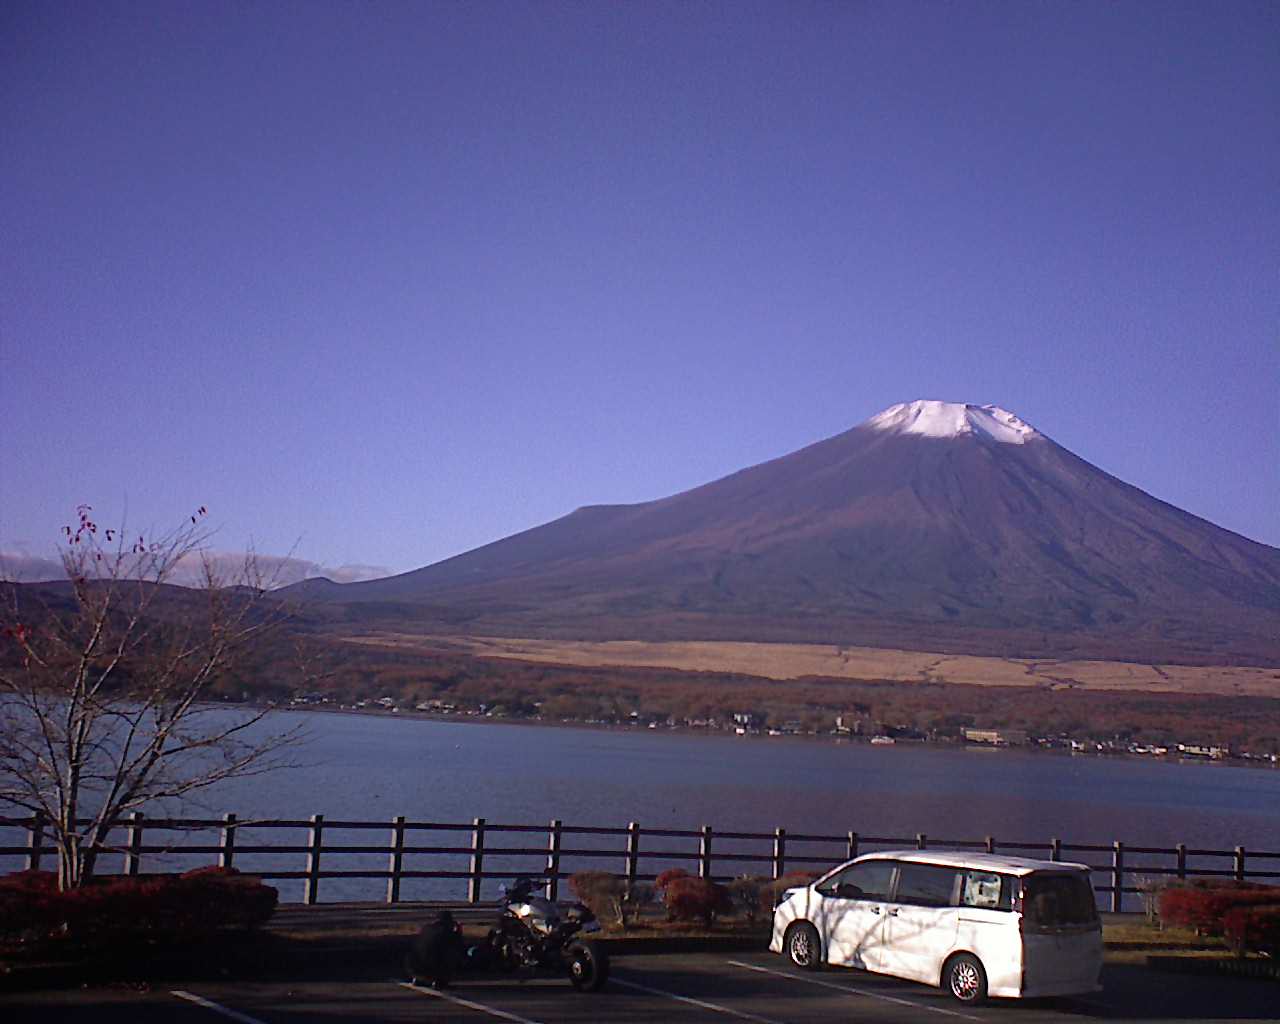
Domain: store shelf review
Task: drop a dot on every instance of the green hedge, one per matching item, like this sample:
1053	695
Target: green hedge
694	899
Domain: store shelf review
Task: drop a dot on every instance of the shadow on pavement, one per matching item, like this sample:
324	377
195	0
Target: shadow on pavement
1135	992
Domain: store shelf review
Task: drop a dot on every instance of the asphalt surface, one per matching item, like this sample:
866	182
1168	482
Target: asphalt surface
648	989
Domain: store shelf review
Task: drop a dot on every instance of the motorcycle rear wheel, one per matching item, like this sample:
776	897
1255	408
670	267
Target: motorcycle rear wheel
588	965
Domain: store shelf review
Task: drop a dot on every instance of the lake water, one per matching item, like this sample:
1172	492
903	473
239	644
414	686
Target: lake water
369	767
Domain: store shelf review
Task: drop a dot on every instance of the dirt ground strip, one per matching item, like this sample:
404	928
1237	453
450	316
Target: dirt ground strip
792	661
755	987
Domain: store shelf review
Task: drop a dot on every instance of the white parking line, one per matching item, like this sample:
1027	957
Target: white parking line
691	1001
208	1004
853	990
492	1011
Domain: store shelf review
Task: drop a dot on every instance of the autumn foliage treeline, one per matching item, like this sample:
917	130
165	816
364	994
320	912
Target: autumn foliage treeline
350	672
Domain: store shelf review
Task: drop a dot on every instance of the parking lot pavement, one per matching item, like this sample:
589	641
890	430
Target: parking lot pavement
756	987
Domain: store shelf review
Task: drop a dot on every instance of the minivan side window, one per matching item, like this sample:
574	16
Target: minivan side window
926	885
866	881
987	891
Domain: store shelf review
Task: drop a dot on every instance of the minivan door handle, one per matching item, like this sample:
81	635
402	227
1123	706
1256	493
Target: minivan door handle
875	910
894	912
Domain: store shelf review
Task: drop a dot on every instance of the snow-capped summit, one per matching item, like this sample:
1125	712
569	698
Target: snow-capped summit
930	418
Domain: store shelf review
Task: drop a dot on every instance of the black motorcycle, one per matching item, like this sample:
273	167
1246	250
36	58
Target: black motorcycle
534	934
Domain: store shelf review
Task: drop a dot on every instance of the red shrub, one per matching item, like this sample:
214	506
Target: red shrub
1181	905
216	897
27	915
1203	907
667	877
114	909
109	908
1255	928
43	880
213	871
28	903
690	899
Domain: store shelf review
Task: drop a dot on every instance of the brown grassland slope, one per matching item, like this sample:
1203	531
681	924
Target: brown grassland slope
795	661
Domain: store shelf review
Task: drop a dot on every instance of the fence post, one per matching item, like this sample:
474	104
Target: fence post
633	853
1117	877
853	845
311	891
704	853
227	855
1239	864
779	852
35	841
922	841
1181	851
396	863
1055	849
553	858
991	844
133	853
477	860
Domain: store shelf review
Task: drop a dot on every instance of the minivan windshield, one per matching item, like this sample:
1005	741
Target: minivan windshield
1056	900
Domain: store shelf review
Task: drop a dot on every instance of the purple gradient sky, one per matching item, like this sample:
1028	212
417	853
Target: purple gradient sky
395	280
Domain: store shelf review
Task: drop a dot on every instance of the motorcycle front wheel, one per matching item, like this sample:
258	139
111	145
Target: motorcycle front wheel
588	965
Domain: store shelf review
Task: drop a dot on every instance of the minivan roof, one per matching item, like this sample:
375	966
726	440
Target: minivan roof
982	861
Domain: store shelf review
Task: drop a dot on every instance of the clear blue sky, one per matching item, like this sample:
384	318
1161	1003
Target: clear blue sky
395	280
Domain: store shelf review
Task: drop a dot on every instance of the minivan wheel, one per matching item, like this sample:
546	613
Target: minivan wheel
803	947
965	979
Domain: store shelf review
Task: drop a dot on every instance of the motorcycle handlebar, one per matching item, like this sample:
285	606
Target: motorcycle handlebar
522	886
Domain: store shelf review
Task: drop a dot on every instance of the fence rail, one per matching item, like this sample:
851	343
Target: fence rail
639	853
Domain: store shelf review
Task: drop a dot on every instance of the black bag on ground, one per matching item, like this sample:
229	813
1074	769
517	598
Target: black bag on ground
436	951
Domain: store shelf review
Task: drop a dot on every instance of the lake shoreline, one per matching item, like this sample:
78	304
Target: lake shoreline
724	734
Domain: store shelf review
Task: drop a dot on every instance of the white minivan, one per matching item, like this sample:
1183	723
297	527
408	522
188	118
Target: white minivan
976	924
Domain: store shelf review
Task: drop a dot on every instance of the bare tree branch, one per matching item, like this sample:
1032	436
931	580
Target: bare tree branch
104	685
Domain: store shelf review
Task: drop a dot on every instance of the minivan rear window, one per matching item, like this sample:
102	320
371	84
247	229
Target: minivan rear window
1057	900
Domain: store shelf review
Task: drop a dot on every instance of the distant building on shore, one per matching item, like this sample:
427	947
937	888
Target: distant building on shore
1203	750
996	737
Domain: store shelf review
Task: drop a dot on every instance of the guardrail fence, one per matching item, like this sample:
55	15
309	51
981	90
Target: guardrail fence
414	850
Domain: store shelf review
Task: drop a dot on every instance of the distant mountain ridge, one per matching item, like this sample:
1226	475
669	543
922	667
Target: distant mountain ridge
932	525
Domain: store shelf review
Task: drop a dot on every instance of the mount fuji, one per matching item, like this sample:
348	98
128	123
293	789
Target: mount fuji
932	525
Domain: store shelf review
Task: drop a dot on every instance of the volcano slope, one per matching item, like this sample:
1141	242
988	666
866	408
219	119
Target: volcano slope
932	526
